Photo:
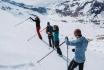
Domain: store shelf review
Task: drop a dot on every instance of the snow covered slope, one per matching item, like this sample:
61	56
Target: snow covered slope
16	53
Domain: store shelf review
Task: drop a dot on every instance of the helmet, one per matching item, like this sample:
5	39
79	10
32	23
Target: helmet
77	32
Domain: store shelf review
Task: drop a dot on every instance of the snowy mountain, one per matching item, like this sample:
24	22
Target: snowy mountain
75	8
8	5
20	49
89	11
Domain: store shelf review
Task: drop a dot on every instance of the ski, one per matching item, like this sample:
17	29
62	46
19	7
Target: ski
63	57
45	56
50	52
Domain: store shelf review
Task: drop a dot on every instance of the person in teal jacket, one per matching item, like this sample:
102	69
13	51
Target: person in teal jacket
80	47
56	39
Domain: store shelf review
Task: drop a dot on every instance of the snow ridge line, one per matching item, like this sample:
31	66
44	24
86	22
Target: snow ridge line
16	66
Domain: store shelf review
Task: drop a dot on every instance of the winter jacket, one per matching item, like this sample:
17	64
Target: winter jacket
80	48
37	20
49	30
56	35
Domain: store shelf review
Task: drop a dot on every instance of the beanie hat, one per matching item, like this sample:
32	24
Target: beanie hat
77	32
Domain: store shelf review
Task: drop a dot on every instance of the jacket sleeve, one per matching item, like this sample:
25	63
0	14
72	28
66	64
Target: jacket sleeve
32	19
75	42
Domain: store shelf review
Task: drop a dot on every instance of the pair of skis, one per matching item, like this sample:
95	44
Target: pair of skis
63	57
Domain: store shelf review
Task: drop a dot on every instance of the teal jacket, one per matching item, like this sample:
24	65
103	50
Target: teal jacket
80	48
56	36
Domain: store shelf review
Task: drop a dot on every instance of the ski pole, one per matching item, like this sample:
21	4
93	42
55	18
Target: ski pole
49	52
67	53
67	57
45	56
21	22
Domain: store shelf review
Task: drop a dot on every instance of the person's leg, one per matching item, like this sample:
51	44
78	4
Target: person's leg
38	32
72	65
57	47
49	38
52	42
59	51
81	65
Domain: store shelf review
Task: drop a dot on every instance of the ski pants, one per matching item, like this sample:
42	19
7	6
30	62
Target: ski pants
51	41
56	44
74	64
38	32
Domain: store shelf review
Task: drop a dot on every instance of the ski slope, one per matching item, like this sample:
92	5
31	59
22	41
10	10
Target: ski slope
16	53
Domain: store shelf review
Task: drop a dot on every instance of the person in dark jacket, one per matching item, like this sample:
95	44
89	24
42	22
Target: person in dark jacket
80	47
37	20
49	30
56	39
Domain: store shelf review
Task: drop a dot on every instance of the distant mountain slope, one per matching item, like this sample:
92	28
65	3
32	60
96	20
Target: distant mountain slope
7	3
86	11
75	8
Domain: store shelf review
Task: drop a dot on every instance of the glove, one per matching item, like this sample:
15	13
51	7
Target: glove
66	40
30	18
73	50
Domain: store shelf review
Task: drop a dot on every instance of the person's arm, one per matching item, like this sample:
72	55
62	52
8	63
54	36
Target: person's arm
67	41
46	30
72	43
32	19
75	42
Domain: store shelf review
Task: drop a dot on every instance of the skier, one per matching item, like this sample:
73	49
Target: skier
49	30
37	20
80	48
56	39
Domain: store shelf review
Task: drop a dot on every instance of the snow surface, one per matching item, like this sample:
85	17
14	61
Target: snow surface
16	53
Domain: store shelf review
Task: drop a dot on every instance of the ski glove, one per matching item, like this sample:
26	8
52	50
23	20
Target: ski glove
66	40
30	18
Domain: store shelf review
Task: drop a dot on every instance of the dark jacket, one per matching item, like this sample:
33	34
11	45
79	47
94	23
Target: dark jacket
49	29
37	20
